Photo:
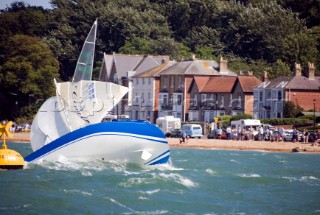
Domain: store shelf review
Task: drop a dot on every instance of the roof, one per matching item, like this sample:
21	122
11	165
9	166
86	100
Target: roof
247	83
196	67
292	83
221	84
201	82
124	63
279	82
303	83
155	72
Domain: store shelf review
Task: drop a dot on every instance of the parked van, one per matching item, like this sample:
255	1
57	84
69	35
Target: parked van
168	123
193	130
246	123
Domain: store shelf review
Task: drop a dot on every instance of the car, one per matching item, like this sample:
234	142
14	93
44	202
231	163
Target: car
175	133
288	135
213	135
312	137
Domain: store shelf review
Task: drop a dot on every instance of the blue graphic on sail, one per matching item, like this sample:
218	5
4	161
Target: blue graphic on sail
84	66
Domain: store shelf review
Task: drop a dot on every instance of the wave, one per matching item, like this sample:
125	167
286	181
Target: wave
252	175
179	179
211	172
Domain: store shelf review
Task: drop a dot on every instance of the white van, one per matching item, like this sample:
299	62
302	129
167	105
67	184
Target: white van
246	123
193	130
168	123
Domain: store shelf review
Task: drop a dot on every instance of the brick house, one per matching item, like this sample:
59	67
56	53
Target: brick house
304	91
221	95
175	83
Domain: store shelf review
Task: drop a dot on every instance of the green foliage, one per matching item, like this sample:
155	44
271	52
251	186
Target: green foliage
285	121
26	75
291	110
204	53
309	117
225	120
241	116
278	69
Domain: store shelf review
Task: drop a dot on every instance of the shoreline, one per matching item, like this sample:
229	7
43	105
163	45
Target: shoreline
217	144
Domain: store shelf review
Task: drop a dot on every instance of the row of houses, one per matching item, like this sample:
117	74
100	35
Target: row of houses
200	90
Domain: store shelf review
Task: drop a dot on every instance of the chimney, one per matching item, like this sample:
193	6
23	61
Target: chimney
297	69
223	65
250	73
311	69
265	76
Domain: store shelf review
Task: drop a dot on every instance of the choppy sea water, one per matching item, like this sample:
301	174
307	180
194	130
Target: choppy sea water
197	182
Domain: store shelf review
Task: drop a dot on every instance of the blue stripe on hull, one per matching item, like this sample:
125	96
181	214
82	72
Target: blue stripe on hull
130	128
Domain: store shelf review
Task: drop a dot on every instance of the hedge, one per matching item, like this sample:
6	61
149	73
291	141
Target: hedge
285	121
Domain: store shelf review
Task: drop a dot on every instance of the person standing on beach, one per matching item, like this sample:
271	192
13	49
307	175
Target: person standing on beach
261	133
305	136
183	137
228	133
295	135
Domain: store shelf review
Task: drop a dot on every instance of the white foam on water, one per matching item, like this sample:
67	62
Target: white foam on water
136	181
143	198
156	212
164	167
252	175
302	178
179	179
150	192
211	172
77	191
234	161
119	204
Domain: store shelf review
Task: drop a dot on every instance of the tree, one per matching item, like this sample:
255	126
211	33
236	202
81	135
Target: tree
278	69
291	110
26	75
241	116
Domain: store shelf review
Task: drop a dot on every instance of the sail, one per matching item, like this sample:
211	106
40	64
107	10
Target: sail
87	102
84	66
78	103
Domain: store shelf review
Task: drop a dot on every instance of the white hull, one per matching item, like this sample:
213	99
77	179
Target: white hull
132	142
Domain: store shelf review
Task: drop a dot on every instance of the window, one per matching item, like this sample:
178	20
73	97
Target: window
137	81
142	80
239	101
195	98
164	82
149	80
136	99
222	101
279	95
149	97
179	99
269	95
179	81
203	98
172	82
211	100
142	97
230	100
274	95
261	96
278	115
165	99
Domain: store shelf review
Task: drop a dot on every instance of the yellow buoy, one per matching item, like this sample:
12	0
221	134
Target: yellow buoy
9	159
